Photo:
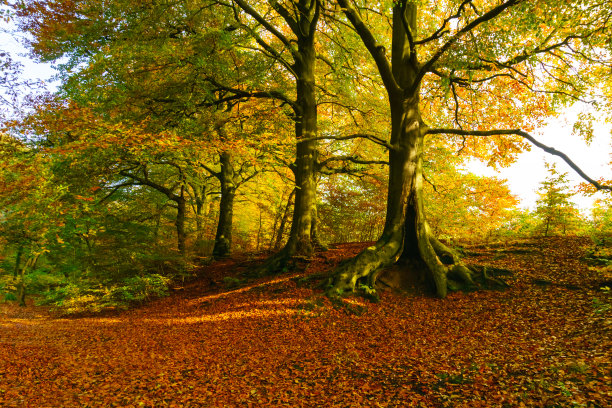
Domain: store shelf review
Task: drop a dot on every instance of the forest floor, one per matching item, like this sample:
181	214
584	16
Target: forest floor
544	342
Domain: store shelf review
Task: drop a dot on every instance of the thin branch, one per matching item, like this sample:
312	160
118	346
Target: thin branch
114	190
352	159
525	135
240	94
452	85
406	24
372	138
377	51
430	183
213	172
253	13
144	181
491	14
284	13
442	30
268	50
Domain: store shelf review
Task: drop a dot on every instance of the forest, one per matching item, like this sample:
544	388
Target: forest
271	203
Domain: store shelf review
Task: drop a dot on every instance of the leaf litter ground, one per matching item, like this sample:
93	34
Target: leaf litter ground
272	342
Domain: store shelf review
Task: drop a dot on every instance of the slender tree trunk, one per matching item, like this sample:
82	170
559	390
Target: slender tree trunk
200	205
314	230
181	213
259	226
20	274
223	238
284	221
277	218
18	261
21	286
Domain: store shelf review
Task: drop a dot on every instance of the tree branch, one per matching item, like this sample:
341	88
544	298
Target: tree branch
377	51
144	181
352	159
114	190
240	93
491	14
253	13
372	138
442	30
525	135
284	13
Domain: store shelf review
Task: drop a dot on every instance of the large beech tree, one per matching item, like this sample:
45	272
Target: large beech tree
500	51
293	48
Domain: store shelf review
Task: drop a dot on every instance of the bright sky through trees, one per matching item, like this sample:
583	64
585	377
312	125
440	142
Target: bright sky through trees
528	171
523	176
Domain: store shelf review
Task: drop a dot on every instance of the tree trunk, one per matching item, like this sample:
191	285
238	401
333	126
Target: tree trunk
181	207
405	223
259	227
284	221
300	241
223	238
200	206
314	230
21	286
18	261
300	237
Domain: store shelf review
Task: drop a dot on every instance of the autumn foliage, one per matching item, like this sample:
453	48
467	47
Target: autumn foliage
251	203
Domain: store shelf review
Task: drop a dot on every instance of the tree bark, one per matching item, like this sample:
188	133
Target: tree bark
18	261
284	221
314	230
179	199
301	18
21	286
300	237
181	213
200	207
223	238
300	241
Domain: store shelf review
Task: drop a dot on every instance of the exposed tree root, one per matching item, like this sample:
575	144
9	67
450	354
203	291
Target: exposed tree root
441	266
277	263
362	270
284	260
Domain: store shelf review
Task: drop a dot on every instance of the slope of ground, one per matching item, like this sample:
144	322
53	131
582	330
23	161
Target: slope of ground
544	342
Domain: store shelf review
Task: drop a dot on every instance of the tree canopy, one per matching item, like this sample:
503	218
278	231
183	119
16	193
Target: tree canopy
185	129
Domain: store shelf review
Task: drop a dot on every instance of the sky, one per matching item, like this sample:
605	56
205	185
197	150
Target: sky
524	176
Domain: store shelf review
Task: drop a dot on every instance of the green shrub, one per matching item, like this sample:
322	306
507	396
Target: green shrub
87	297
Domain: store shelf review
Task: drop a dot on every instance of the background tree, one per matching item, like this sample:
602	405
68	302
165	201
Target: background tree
165	68
292	47
460	205
557	214
351	209
602	221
